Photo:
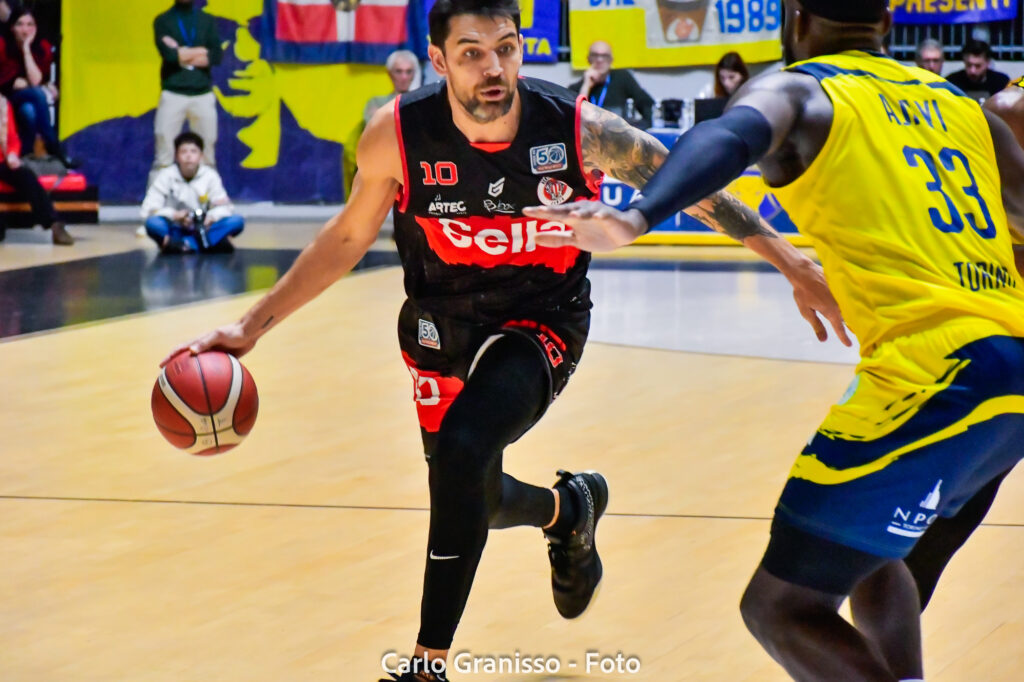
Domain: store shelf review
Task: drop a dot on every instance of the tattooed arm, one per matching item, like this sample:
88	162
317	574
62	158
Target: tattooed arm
613	147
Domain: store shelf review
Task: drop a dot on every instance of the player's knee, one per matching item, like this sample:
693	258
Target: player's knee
757	610
459	459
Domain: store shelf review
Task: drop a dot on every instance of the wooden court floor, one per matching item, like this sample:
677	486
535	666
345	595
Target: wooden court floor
299	555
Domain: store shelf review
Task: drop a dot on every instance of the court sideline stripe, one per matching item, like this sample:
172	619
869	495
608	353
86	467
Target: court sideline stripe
357	507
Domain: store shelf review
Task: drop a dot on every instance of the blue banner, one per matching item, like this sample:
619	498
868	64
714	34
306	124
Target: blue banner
541	21
953	11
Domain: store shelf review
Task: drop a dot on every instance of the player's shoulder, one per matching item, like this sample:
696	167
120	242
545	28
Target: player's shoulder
428	94
548	90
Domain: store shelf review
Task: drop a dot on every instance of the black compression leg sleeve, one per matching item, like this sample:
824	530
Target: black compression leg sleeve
500	400
523	504
704	160
932	553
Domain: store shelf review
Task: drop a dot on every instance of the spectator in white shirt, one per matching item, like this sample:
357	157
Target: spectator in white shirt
186	209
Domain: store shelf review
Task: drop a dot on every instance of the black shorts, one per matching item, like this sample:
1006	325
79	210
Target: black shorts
441	352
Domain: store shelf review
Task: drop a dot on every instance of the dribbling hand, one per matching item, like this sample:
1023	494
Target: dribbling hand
229	338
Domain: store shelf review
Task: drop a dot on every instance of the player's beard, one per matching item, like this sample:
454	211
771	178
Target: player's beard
485	112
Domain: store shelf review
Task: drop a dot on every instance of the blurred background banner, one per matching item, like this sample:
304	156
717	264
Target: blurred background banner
337	31
540	23
952	11
280	125
650	33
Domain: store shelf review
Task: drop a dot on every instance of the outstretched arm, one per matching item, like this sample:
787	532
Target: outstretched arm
336	250
613	147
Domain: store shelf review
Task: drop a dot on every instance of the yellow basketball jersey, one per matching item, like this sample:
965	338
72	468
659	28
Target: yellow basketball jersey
903	203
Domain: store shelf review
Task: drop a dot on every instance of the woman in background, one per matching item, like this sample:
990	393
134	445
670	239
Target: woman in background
730	74
25	62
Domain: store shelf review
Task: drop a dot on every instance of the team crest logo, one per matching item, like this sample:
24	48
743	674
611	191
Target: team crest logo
345	5
549	158
429	337
496	188
552	191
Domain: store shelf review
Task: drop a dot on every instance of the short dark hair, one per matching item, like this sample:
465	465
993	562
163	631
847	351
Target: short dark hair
978	48
188	137
443	10
848	11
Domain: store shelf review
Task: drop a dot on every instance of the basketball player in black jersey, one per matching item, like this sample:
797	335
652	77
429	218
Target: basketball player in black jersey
494	323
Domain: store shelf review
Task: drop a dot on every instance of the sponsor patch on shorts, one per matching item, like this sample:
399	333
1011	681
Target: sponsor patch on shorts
429	338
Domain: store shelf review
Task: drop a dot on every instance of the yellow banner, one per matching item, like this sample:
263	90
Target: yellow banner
652	33
111	69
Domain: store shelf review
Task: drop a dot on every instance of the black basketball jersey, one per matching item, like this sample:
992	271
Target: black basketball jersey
467	250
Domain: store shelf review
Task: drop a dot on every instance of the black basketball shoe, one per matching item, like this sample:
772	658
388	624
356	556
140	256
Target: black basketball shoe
575	566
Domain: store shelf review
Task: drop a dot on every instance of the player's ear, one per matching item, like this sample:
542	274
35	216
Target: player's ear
887	22
437	59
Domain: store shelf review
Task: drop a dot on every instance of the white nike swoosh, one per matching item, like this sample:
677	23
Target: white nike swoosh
436	557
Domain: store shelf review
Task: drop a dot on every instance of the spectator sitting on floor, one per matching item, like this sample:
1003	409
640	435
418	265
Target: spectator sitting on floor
25	62
24	181
184	191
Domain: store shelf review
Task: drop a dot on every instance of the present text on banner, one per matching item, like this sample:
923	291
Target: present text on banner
953	11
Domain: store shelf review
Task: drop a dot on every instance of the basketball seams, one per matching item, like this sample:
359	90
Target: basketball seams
200	422
226	414
206	392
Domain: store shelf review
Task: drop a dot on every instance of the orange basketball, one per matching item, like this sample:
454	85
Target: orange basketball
206	403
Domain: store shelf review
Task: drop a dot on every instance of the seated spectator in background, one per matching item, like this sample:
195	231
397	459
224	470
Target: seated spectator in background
403	69
186	208
930	57
24	181
730	73
25	62
609	88
977	79
189	45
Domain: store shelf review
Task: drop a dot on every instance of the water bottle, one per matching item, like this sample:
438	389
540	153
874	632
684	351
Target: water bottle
657	121
630	109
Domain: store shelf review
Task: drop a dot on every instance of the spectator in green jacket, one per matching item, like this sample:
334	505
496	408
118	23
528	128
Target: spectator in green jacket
189	45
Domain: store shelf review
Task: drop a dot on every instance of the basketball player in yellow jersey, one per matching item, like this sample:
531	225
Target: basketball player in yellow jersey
937	546
895	176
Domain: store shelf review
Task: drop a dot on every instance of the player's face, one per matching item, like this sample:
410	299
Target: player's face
481	60
188	157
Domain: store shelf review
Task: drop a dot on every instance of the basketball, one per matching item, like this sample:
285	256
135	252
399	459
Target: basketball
205	404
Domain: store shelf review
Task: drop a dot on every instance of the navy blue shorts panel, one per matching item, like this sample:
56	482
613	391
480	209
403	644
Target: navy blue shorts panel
879	496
